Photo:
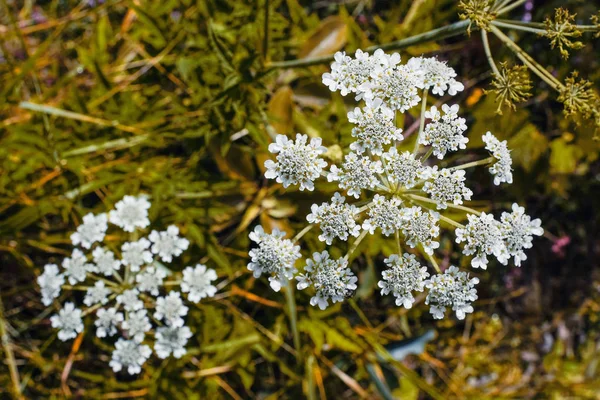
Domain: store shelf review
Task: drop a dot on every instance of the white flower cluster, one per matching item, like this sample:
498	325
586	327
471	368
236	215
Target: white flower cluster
399	190
125	293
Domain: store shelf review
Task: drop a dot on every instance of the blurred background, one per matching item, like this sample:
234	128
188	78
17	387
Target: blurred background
179	98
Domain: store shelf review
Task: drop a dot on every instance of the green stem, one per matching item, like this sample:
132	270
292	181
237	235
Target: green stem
527	60
302	233
291	303
355	244
10	357
454	29
485	161
519	27
510	7
421	120
433	262
449	205
398	243
488	52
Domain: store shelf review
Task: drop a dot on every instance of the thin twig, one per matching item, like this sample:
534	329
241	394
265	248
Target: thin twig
10	357
454	29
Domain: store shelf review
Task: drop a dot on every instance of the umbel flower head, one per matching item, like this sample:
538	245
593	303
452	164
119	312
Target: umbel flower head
122	295
561	31
390	186
331	279
275	256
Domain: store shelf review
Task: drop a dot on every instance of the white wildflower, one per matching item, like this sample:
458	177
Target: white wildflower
452	289
384	214
92	230
50	283
518	229
502	168
483	237
197	282
332	279
107	322
349	74
137	324
150	279
274	255
447	186
136	254
76	267
171	309
131	213
437	76
357	173
397	87
130	300
69	321
337	219
297	161
444	133
129	354
421	227
375	127
171	340
403	276
403	168
105	262
97	294
168	244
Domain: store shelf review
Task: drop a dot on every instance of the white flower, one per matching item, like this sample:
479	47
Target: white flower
197	282
131	213
502	169
171	340
297	161
357	173
403	276
136	254
518	230
437	75
129	354
130	300
375	127
168	244
444	133
447	186
384	214
453	289
275	256
171	308
76	267
137	324
483	237
337	219
105	262
403	168
107	322
332	279
69	321
150	279
92	230
397	87
50	283
349	74
420	227
97	294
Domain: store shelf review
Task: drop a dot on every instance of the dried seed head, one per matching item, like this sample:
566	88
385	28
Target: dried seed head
511	86
561	31
478	11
